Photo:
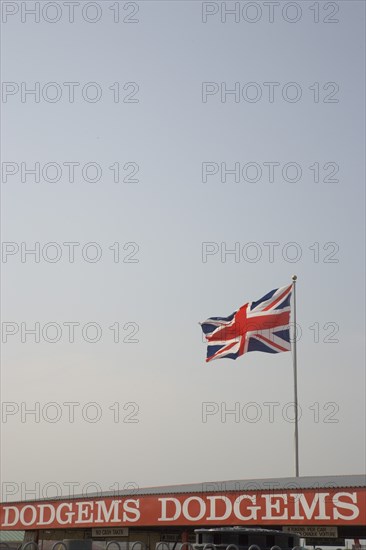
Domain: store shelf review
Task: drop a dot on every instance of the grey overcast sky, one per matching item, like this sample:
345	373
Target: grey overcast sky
174	161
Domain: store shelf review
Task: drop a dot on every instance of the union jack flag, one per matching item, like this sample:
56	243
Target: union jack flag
256	326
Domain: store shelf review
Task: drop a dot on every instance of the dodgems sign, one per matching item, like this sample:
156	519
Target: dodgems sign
307	507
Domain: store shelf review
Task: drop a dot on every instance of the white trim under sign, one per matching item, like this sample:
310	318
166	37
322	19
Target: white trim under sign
110	532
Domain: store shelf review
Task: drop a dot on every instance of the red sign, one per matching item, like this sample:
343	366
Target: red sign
290	507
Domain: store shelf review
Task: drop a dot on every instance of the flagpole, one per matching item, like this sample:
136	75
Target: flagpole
294	279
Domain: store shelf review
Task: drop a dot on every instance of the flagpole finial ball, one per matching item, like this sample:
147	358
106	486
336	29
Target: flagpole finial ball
294	277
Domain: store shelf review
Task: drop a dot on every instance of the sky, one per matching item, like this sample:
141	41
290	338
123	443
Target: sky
174	161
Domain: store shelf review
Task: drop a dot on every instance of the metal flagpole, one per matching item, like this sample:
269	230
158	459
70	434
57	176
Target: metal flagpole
294	279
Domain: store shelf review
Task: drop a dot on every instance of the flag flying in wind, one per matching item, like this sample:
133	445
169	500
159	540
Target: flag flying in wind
256	326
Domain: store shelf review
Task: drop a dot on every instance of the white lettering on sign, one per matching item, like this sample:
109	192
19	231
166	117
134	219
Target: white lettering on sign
308	507
200	514
23	514
85	510
7	516
274	504
105	514
61	518
133	510
175	507
43	517
213	514
253	509
346	506
303	507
